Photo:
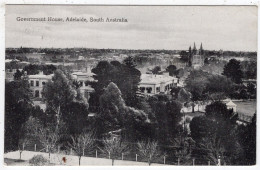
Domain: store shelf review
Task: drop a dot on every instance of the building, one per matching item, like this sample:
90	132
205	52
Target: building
196	57
84	78
156	84
197	61
37	83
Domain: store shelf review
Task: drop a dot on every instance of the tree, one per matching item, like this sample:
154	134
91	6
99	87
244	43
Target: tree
168	116
81	143
17	110
114	147
184	96
126	77
114	114
214	87
196	84
18	75
233	70
129	62
156	70
202	127
218	111
148	150
248	140
171	69
58	94
184	56
251	88
48	136
26	133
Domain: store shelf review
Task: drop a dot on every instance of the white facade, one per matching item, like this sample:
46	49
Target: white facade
154	84
84	78
37	83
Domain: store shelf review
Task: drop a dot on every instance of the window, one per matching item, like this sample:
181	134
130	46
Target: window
43	83
32	83
37	93
81	83
37	83
157	89
149	89
142	89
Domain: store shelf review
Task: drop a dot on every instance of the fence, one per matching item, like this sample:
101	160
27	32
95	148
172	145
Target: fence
131	155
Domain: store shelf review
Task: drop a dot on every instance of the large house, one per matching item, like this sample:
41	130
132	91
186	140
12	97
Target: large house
84	78
37	83
155	84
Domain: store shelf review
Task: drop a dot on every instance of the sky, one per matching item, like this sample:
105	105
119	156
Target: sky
148	27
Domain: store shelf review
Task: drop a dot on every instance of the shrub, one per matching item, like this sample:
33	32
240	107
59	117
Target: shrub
38	160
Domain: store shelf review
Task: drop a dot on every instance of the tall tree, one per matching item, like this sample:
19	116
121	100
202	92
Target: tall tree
58	94
17	111
171	69
233	70
126	77
114	114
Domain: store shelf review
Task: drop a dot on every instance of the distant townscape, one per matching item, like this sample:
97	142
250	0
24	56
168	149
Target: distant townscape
69	106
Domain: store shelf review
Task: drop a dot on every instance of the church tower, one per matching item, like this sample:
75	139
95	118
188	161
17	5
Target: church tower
201	52
194	50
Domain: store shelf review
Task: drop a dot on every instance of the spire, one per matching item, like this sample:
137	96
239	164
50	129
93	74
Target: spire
194	47
201	50
194	50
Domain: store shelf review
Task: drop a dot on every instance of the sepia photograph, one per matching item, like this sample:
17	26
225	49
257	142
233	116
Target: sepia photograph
130	85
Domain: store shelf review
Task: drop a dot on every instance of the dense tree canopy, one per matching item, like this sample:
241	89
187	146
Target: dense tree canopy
116	115
233	70
17	110
126	77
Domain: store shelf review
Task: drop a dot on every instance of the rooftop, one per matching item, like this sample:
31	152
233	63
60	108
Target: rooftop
155	79
41	76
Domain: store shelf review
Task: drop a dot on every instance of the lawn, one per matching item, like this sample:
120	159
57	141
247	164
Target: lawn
246	107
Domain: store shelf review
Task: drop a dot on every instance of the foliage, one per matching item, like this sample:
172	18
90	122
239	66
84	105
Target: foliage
114	114
148	150
168	116
218	110
247	138
184	96
17	109
233	70
171	69
33	69
38	160
126	77
65	103
156	70
196	84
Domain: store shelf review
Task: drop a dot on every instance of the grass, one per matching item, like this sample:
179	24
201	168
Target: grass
246	107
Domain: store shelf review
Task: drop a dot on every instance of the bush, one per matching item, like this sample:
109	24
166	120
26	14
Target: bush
38	160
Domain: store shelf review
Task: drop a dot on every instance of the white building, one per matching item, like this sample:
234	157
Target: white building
230	105
84	78
154	84
37	83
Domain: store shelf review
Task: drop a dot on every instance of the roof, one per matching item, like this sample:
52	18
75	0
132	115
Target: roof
41	76
230	103
155	79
